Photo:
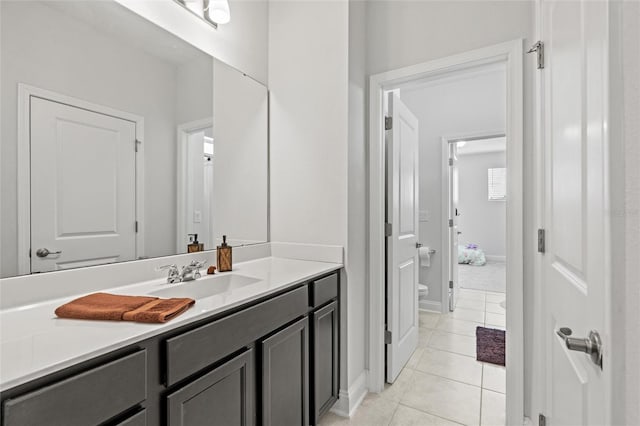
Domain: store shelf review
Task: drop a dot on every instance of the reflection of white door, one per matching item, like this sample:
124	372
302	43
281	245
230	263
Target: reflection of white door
402	255
83	191
576	201
454	284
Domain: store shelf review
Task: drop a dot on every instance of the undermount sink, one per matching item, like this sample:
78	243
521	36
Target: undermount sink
206	286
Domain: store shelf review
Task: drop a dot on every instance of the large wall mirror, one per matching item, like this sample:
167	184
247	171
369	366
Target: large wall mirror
121	141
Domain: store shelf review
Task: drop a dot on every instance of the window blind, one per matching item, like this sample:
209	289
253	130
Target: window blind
497	184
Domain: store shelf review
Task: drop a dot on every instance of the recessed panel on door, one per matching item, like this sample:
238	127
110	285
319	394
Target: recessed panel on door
83	190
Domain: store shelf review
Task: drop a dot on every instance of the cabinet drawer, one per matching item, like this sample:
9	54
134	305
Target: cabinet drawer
198	348
323	290
138	419
87	398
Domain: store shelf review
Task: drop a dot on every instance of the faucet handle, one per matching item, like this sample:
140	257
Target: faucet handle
198	263
174	274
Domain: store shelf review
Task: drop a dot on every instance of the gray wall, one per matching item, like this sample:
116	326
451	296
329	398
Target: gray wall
481	221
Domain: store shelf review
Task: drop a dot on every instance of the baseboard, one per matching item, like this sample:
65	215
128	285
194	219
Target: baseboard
430	305
495	258
349	400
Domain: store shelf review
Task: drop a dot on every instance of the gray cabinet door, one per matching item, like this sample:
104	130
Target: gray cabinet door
222	397
285	376
325	360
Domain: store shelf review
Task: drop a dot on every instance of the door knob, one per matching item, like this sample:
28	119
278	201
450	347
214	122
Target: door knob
591	345
418	245
43	252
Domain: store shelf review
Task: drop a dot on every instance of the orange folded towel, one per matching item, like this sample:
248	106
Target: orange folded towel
114	307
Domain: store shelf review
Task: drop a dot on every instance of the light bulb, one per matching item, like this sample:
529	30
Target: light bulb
219	11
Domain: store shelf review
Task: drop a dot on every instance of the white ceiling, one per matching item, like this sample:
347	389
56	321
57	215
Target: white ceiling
482	146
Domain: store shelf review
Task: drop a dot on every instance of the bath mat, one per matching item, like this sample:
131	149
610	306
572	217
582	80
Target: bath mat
490	345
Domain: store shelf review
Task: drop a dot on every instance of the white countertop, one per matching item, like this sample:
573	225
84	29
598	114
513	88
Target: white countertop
34	342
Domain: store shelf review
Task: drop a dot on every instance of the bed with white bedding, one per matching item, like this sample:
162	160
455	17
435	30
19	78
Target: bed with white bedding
472	255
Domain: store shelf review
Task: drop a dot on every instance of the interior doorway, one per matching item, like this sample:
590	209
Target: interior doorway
474	199
509	57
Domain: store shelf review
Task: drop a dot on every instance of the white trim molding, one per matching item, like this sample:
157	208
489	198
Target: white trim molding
182	135
510	53
25	92
349	400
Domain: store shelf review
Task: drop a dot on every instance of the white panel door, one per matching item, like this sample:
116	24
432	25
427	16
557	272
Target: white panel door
454	185
402	254
576	203
83	181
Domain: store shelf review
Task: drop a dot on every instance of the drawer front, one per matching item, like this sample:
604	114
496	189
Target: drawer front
138	419
324	290
88	398
192	351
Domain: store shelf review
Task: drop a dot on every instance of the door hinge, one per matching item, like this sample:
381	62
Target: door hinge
387	337
136	226
450	284
450	223
388	229
538	48
388	123
135	145
542	420
29	251
451	161
541	240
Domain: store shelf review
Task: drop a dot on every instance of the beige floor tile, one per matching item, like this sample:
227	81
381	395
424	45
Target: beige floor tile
495	308
396	391
444	398
493	408
492	297
466	315
407	416
374	411
451	366
464	345
495	319
452	325
424	335
429	319
413	361
476	305
494	378
471	294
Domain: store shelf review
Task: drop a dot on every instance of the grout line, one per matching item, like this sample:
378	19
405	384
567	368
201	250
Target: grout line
450	379
429	413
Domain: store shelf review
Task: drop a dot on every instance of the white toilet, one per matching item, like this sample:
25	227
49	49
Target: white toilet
423	291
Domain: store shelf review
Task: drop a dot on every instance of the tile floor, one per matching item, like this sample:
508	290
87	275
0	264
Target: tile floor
443	384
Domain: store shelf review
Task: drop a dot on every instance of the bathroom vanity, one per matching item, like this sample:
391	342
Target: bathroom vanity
273	360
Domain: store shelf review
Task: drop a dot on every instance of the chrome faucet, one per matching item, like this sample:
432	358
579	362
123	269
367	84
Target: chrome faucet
192	271
189	272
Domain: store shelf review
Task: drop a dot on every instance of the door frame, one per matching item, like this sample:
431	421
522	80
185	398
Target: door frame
25	92
445	200
182	134
511	53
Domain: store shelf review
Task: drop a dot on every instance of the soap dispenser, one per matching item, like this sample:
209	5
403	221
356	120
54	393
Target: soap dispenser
224	252
194	245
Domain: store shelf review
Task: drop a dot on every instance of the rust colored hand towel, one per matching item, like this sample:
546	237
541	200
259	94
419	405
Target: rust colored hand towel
113	307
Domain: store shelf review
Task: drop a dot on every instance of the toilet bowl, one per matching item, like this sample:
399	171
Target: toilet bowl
423	290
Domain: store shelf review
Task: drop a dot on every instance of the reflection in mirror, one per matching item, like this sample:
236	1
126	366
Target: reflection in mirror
120	139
